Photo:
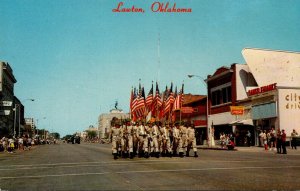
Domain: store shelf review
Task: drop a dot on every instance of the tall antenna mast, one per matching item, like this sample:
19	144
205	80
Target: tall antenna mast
158	55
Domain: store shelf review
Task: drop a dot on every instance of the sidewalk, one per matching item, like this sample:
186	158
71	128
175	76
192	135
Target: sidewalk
248	149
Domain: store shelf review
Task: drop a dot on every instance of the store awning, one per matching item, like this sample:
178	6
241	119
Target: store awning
242	122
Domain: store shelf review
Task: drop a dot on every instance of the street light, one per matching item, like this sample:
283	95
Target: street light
207	115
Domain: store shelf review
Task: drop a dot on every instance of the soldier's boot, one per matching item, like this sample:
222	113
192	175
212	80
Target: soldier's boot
170	154
175	154
115	156
123	154
146	155
187	154
157	154
131	155
181	154
195	154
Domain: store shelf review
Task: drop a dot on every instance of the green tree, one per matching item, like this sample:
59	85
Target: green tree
91	134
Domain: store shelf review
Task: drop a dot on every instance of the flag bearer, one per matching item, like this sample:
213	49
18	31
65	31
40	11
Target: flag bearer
143	141
176	139
166	147
183	140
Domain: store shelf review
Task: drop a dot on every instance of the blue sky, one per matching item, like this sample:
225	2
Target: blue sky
76	57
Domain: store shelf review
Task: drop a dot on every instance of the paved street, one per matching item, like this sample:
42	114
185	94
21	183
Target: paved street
91	167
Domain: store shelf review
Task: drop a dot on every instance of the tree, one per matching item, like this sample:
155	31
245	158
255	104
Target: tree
91	134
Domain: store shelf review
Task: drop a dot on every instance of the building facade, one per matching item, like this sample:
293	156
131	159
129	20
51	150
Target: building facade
265	100
7	81
104	121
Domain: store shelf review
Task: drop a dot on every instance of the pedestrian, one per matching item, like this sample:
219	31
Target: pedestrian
248	135
11	145
265	141
283	139
222	140
20	142
261	139
273	138
294	135
278	141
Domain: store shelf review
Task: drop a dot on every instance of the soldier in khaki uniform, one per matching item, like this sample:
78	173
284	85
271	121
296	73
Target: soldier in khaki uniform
165	146
156	139
143	141
191	140
124	139
183	140
115	137
176	139
135	139
130	139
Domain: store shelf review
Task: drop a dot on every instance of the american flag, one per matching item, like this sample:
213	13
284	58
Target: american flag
149	99
157	101
140	105
169	100
179	100
133	102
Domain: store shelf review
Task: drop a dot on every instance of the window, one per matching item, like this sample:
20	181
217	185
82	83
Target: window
221	95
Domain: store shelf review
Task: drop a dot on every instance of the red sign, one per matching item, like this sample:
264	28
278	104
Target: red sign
187	110
262	89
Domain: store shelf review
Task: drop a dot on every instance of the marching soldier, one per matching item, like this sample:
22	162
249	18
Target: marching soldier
165	146
176	138
155	139
143	141
115	137
124	139
129	138
183	140
135	139
191	140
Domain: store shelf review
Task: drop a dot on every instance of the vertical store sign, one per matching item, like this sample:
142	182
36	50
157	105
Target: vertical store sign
289	109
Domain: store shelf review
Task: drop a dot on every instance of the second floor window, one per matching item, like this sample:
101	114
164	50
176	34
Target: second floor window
221	96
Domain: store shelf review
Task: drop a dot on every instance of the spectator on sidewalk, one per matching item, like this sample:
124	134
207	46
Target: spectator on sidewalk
294	135
272	138
278	140
261	138
11	145
20	143
248	135
283	139
265	141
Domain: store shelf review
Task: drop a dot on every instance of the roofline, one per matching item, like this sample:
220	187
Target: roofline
219	75
286	51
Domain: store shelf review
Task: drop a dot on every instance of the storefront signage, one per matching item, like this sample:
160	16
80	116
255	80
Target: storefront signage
292	100
237	110
6	103
4	112
187	110
262	89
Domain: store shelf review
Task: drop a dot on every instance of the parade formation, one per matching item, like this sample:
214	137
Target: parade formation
152	139
152	130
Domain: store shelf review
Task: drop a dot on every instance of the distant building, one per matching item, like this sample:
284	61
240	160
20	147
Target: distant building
105	119
29	125
7	81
